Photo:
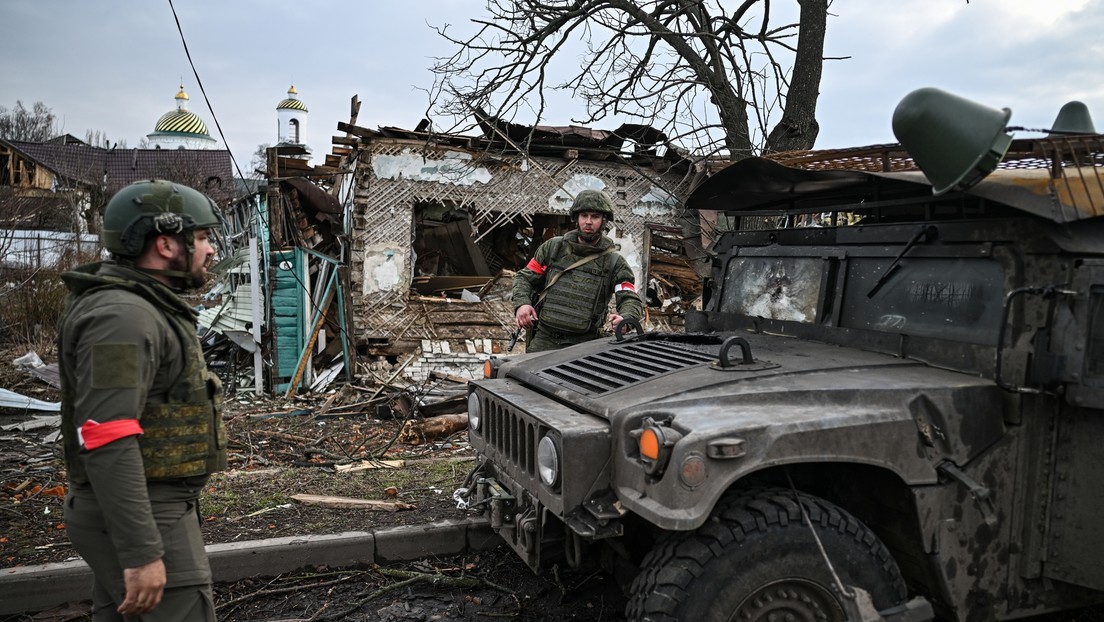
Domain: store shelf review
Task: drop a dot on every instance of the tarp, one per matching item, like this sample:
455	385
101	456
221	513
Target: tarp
11	399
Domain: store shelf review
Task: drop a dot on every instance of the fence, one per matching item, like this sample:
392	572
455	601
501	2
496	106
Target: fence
21	248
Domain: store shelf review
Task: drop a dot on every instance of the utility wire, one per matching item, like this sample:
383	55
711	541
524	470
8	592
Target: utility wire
218	126
202	90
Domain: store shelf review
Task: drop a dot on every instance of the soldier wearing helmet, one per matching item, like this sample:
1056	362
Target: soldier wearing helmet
561	297
141	418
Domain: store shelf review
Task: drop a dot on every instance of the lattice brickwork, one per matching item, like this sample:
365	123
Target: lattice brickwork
384	212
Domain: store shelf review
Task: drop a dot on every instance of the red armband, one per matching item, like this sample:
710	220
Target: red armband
535	267
94	434
625	286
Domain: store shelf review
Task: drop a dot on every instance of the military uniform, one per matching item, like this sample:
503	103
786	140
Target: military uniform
142	429
574	309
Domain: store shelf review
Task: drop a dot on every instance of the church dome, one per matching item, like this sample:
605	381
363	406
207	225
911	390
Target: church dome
292	102
181	122
180	128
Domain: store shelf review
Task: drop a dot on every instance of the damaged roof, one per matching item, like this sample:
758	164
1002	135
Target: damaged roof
650	146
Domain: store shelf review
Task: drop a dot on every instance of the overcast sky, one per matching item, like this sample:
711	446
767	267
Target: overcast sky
115	65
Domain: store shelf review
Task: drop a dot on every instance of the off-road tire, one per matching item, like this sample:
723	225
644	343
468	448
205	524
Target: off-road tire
756	559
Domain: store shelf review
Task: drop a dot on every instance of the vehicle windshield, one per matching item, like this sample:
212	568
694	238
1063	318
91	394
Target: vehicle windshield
777	288
944	297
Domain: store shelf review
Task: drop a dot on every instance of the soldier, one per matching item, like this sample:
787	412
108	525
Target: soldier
573	277
141	415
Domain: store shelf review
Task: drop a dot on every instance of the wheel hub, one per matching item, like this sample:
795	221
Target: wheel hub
790	600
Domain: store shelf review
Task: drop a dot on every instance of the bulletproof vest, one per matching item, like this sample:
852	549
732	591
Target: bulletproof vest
577	302
183	434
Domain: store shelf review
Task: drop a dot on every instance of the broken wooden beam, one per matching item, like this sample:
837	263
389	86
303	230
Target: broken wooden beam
342	503
416	432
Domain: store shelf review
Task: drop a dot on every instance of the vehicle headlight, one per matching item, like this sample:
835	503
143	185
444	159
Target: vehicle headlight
475	410
490	367
548	461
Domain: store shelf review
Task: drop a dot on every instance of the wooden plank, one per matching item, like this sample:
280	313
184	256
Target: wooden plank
437	284
306	357
356	130
342	151
369	465
345	140
454	239
342	503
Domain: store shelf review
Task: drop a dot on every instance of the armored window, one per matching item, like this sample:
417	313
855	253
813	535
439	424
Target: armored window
777	288
1095	363
950	298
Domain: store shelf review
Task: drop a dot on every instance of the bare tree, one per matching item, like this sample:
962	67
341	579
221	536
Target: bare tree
703	75
35	125
97	138
258	164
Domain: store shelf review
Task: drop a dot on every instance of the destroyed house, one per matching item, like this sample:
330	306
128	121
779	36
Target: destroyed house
51	193
439	223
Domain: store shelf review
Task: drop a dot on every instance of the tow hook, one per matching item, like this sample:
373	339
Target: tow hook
501	504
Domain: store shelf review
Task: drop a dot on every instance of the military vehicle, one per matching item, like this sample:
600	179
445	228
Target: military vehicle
890	407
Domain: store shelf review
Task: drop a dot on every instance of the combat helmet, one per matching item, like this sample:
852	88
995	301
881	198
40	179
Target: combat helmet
592	201
153	206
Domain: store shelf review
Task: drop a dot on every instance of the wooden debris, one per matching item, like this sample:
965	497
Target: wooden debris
416	432
438	375
369	465
444	406
342	503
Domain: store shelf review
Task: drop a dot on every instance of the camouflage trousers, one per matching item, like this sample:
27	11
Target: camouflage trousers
544	339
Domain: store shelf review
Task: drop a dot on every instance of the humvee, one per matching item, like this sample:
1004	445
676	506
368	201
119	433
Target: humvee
891	405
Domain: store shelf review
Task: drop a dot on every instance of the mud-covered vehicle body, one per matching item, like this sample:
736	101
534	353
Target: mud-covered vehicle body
892	401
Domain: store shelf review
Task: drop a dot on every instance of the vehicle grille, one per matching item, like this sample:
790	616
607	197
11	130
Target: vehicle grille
617	368
508	431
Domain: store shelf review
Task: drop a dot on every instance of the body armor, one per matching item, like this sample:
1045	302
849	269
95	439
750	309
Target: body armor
577	302
183	434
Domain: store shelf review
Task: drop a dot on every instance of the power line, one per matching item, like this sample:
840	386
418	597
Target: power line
303	286
202	90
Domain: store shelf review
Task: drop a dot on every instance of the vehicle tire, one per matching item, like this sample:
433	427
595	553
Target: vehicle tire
756	559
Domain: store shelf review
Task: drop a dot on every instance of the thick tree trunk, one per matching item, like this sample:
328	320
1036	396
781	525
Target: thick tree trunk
798	127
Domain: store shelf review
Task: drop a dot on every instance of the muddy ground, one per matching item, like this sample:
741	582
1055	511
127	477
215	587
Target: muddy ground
338	443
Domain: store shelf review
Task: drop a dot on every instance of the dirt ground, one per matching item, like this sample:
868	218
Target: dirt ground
334	444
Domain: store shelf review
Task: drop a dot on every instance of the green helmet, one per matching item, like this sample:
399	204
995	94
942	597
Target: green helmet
592	201
153	206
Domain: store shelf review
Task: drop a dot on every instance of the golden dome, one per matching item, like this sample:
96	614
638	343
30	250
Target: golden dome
292	102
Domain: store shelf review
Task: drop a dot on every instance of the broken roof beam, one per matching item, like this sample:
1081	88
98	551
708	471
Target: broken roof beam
356	130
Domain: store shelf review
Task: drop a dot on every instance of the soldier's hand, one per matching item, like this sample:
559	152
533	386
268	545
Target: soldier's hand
525	316
614	320
145	585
